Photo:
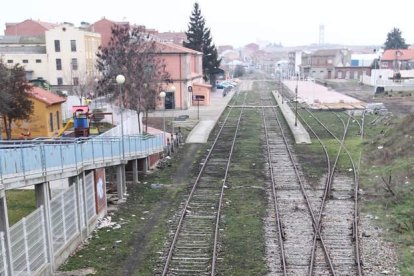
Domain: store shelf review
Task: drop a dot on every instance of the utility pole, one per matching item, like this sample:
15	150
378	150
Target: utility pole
296	101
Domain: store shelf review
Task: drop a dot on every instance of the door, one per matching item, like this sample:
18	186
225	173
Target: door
169	100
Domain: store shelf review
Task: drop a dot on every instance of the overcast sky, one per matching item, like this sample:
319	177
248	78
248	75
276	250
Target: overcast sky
236	22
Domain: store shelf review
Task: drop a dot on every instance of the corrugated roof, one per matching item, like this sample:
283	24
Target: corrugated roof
23	50
17	39
403	54
45	96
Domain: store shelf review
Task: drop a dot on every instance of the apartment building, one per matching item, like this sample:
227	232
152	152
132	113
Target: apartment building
63	55
72	54
28	51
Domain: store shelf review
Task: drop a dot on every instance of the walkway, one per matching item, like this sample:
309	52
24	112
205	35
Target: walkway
202	118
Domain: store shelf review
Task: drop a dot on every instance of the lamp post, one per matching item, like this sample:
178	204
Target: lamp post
162	96
120	79
296	101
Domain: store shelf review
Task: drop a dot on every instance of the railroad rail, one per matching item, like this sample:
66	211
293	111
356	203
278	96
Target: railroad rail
300	227
193	250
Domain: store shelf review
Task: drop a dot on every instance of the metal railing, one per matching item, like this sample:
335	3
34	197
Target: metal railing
43	156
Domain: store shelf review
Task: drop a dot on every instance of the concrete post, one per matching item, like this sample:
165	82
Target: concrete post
135	171
74	180
81	181
120	182
42	194
145	165
4	227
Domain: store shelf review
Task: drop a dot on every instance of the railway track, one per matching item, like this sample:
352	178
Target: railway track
295	222
193	250
339	210
315	230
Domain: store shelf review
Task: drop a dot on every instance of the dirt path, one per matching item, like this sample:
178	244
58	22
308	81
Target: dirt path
141	239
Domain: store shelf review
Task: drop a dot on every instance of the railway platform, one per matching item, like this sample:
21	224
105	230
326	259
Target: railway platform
299	132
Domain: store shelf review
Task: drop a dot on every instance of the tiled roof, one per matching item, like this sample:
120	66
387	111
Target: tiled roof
45	96
174	48
403	54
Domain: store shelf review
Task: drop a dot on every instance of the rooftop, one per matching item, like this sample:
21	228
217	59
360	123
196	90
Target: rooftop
45	96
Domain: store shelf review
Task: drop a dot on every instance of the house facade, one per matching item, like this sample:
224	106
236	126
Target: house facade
28	27
104	28
185	68
398	59
61	54
46	119
323	63
28	51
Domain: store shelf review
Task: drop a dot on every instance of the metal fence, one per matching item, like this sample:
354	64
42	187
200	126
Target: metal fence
28	244
3	261
64	219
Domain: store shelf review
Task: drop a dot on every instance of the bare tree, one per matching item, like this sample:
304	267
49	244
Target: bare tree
134	55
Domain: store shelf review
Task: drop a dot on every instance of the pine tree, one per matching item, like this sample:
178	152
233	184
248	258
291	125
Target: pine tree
199	39
395	40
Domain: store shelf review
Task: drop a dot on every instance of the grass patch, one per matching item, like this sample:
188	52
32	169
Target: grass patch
388	152
143	218
243	237
20	203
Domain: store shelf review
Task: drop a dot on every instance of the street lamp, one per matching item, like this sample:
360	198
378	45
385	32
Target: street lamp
296	102
120	79
162	96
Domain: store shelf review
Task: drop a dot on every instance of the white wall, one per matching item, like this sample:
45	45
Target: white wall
87	44
40	70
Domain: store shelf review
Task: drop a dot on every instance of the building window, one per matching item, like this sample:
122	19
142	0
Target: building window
25	61
57	120
57	45
75	81
51	121
9	61
59	81
74	63
58	64
73	45
38	61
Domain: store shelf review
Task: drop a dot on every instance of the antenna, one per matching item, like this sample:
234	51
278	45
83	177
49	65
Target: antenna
321	34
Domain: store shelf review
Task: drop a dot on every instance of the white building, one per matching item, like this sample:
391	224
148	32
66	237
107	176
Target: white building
72	54
64	55
30	52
